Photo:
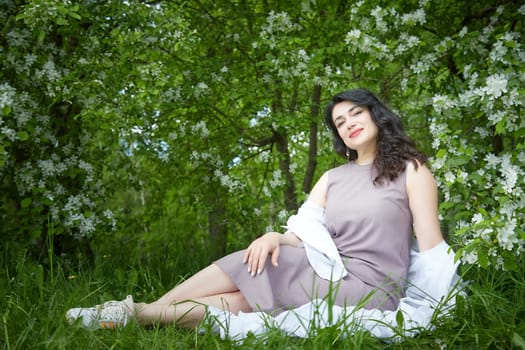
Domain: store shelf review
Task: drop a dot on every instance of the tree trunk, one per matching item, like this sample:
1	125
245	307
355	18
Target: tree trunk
290	198
312	148
217	227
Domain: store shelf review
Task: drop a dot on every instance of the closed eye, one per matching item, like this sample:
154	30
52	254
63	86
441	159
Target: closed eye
339	121
358	112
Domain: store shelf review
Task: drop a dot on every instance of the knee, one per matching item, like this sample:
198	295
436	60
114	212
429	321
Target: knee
238	303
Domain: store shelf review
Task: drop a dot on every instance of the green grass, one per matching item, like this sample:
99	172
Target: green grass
35	299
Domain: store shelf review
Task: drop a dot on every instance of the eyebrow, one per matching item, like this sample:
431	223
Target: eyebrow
349	111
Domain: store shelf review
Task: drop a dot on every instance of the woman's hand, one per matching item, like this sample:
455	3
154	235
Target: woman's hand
258	251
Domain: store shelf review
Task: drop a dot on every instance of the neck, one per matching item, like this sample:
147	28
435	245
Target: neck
363	162
364	159
366	156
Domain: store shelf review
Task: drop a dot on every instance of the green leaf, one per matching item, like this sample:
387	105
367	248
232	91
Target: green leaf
501	127
483	259
400	319
20	16
72	13
22	135
62	21
509	261
518	340
26	202
441	153
6	110
446	205
41	35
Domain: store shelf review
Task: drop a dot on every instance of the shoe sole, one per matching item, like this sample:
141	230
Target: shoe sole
108	324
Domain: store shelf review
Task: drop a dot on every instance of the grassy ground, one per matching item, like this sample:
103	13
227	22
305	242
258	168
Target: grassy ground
35	299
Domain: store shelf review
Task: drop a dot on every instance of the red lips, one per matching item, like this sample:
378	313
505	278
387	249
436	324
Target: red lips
355	132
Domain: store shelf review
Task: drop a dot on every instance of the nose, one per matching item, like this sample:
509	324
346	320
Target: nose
349	123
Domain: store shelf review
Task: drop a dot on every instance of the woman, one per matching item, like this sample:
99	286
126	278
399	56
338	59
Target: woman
371	206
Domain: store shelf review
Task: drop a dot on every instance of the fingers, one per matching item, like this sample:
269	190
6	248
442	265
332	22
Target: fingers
259	262
257	253
275	256
255	258
246	254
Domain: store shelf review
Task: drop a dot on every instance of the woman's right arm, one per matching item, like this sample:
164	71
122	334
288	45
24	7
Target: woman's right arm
269	244
318	193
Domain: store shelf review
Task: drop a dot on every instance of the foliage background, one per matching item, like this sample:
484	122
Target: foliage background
168	133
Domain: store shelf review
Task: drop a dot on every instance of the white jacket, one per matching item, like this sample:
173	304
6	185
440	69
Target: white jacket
322	254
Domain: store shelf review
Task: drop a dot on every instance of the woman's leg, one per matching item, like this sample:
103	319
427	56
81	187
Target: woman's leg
208	281
186	303
189	313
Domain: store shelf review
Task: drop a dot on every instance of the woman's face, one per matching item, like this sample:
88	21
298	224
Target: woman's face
355	126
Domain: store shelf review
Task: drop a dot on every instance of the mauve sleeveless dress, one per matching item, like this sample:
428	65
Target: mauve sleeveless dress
371	227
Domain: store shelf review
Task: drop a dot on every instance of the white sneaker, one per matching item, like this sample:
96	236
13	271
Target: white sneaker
111	314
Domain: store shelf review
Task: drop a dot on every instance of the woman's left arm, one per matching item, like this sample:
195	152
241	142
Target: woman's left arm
423	203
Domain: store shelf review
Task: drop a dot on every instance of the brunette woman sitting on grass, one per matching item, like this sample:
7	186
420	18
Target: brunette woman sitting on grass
351	238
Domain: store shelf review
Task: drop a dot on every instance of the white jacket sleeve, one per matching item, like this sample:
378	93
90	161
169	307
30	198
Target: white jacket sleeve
309	226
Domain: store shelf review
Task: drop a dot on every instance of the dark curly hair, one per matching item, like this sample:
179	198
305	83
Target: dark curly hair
394	146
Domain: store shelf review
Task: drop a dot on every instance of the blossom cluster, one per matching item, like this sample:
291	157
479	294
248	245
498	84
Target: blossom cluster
481	186
52	177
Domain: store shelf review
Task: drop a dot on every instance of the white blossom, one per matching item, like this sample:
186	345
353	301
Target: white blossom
293	167
200	128
201	89
492	161
277	23
463	32
415	17
477	218
49	71
510	177
483	132
506	236
18	38
378	13
498	52
88	168
264	156
282	214
496	117
508	208
462	176
450	177
352	35
9	133
7	95
442	103
423	64
356	6
438	163
521	157
276	179
470	257
496	85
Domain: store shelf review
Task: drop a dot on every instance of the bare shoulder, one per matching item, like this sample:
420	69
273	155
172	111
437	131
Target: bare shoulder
422	176
318	193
